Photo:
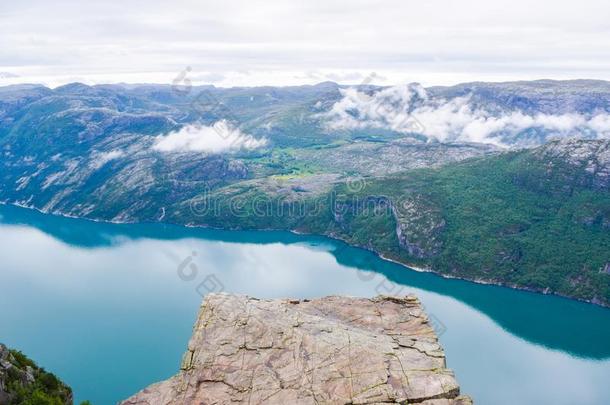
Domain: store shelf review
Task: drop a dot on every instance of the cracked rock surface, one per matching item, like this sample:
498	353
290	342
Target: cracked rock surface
332	350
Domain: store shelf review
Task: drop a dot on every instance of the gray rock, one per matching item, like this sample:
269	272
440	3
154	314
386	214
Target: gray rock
592	156
29	375
19	381
332	350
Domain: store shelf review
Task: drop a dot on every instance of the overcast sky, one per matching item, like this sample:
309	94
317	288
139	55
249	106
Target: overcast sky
251	42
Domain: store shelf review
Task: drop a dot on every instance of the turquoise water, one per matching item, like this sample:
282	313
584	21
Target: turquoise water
109	308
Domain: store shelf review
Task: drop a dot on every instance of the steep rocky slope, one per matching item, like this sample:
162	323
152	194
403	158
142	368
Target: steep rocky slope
527	218
332	350
23	382
536	219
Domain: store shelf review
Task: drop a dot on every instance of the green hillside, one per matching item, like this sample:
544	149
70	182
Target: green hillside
531	219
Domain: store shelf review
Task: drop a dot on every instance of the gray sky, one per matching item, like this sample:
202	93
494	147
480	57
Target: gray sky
251	42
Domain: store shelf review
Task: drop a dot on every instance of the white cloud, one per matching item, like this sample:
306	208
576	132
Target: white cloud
100	159
601	124
434	41
387	108
220	137
408	109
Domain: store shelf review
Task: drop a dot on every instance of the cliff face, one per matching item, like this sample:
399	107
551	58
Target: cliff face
23	382
332	350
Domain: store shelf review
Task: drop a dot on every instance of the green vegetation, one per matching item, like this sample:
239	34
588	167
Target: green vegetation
509	220
22	382
536	219
513	219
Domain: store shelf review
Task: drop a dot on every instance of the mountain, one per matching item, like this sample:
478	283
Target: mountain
538	96
23	382
536	219
469	181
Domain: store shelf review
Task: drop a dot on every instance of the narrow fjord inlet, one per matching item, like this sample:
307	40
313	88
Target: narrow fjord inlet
284	202
111	302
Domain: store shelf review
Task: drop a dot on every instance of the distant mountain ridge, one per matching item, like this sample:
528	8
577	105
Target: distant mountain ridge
511	113
481	177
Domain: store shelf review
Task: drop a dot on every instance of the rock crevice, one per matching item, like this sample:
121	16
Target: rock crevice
332	350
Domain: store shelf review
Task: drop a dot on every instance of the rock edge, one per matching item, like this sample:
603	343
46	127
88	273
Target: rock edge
331	350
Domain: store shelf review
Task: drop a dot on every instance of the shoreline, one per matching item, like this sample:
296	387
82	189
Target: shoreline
380	255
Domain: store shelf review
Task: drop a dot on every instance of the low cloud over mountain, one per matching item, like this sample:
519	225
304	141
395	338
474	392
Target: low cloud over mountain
220	137
411	109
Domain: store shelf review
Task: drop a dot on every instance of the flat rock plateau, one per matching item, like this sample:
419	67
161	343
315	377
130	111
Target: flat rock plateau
332	350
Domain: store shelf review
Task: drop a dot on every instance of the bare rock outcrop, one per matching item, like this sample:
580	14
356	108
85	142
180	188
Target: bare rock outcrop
592	156
332	350
22	381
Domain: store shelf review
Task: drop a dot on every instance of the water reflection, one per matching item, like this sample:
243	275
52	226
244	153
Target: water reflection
531	316
108	307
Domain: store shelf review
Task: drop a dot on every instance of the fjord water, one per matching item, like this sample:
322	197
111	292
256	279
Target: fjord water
109	308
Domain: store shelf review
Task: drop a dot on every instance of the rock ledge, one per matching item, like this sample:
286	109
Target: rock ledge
332	350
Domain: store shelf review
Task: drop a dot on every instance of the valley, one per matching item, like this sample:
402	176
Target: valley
331	160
